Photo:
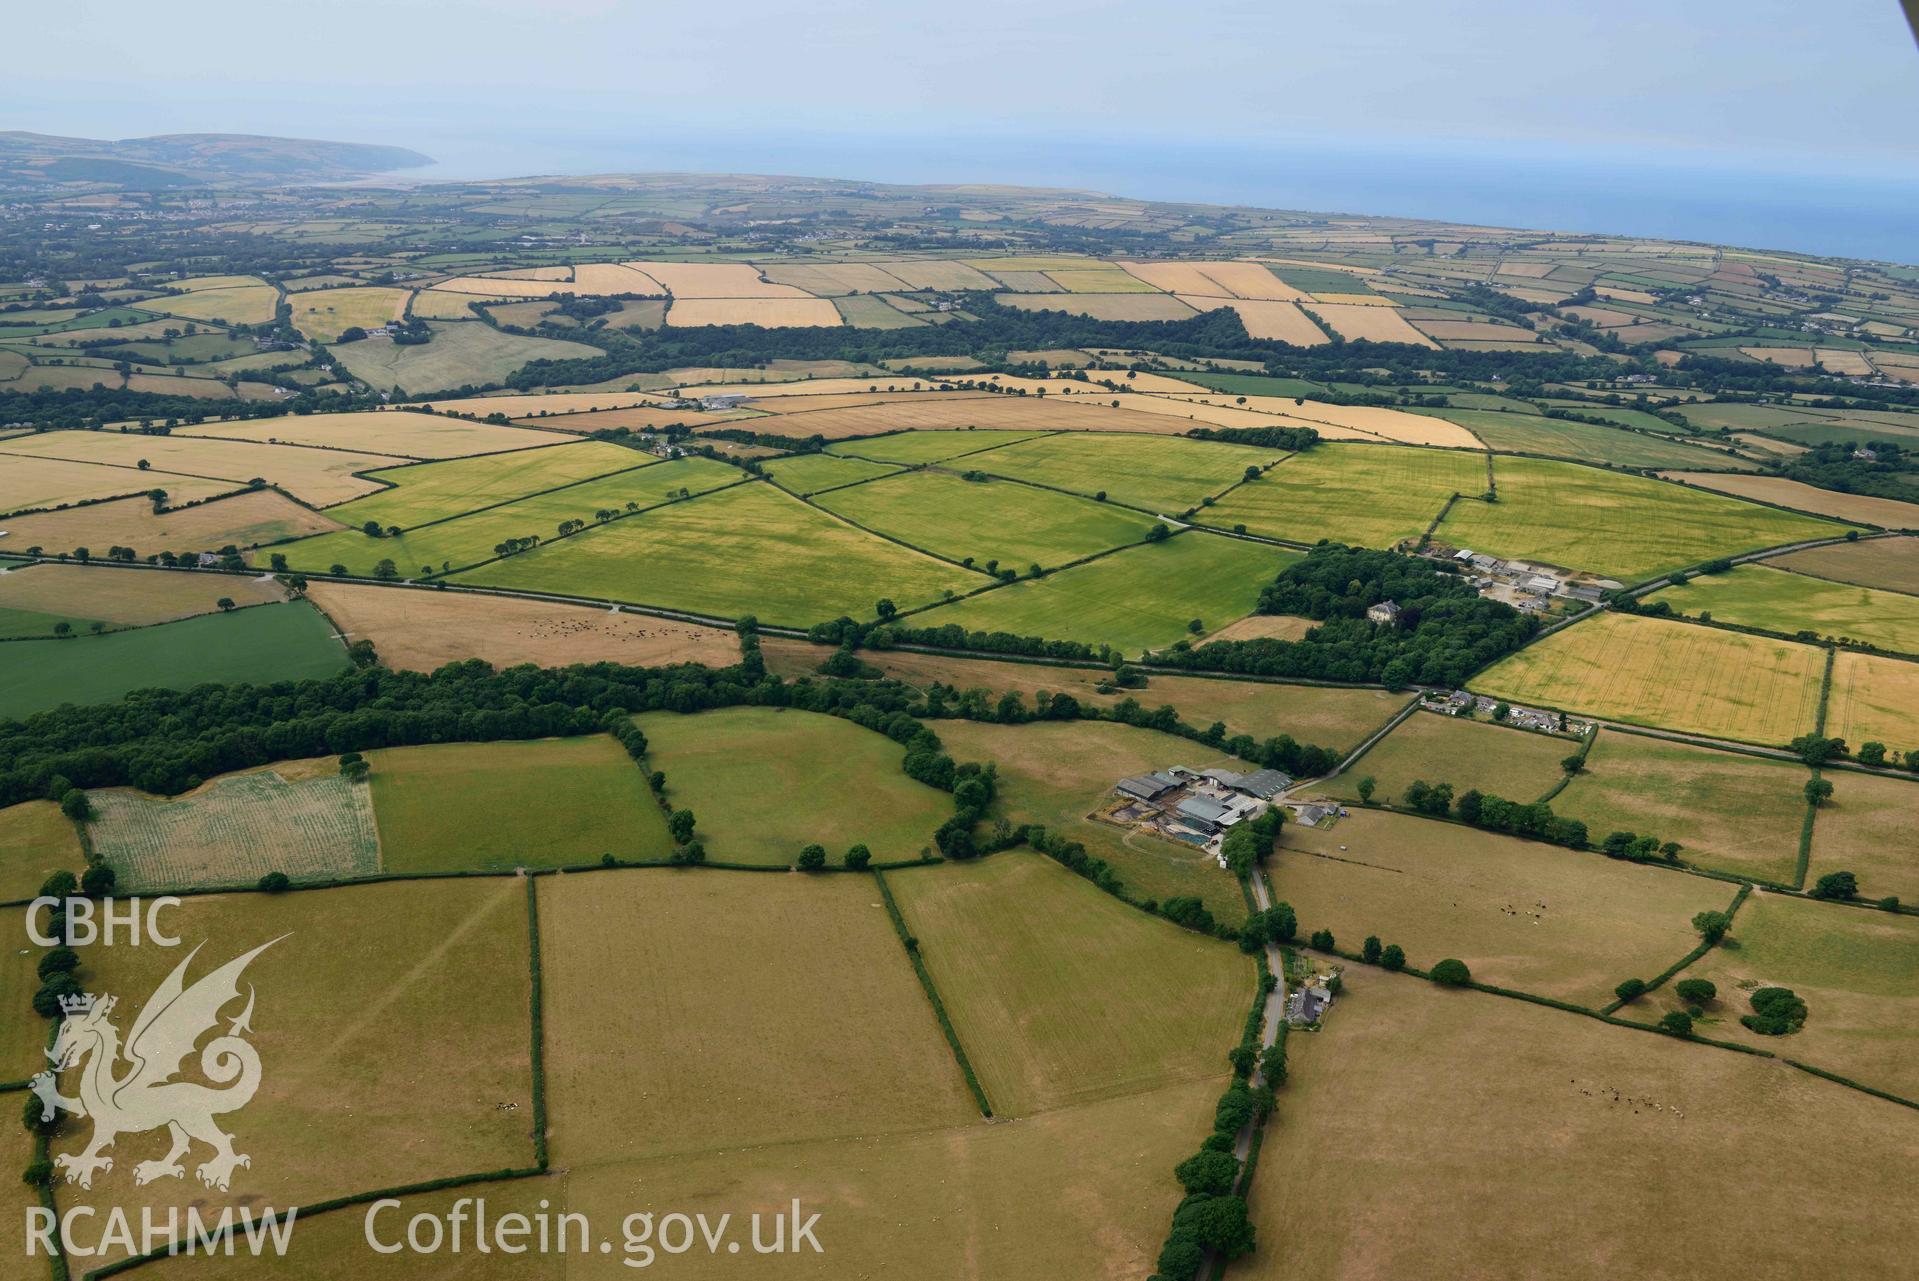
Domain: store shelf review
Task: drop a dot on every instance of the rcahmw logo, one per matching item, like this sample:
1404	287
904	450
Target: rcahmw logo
131	1088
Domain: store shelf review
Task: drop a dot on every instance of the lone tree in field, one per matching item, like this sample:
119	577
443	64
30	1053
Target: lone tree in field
812	858
679	825
1676	1022
1370	950
1695	991
225	605
859	858
1712	926
1451	972
1393	957
1836	885
1367	786
1818	792
1630	990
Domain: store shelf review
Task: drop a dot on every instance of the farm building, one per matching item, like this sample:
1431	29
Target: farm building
1307	1003
1147	787
723	401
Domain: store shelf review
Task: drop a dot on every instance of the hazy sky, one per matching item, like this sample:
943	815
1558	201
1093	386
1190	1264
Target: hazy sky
1782	85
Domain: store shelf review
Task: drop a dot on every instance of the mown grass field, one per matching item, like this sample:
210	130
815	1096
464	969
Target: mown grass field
1160	473
913	447
1622	526
1366	495
385	1010
460	354
198	467
1780	601
1063	994
85	594
1328	716
495	806
991	520
1858	973
765	782
400	432
1141	598
1888	513
299	818
290	641
1523	915
1866	829
433	491
808	1025
1058	773
805	474
1874	700
324	314
1588	442
469	540
36	840
1496	759
752	550
34	483
1649	671
1891	564
421	630
1628	1126
1739	814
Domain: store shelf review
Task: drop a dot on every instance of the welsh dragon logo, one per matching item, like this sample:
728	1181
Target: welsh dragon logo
145	1096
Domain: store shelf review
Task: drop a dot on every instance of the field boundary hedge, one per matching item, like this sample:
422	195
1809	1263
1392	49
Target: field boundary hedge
1659	980
537	1014
911	944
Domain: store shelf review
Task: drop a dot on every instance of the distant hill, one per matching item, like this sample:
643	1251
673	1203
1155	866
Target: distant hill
38	162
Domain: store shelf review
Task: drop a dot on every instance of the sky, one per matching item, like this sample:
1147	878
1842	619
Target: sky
919	91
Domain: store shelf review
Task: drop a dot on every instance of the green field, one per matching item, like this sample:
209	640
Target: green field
805	474
1587	442
1062	994
468	540
1055	773
1140	598
1866	829
435	491
1366	495
257	645
1499	760
1625	527
751	550
914	447
1733	813
492	806
36	840
1778	600
461	354
1163	474
993	520
763	783
1256	385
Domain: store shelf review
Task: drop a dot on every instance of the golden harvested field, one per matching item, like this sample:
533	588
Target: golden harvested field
440	968
542	404
841	1042
773	312
833	279
1890	564
1062	993
701	382
1866	829
421	630
715	280
433	304
1102	279
322	314
1183	278
1857	971
1432	748
321	477
250	304
1127	306
1280	321
399	433
495	287
1532	917
1449	331
36	840
27	482
613	278
1735	813
1862	508
1620	1127
1265	627
1376	324
1652	671
635	419
946	413
1355	421
1355	300
127	597
244	520
1874	699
